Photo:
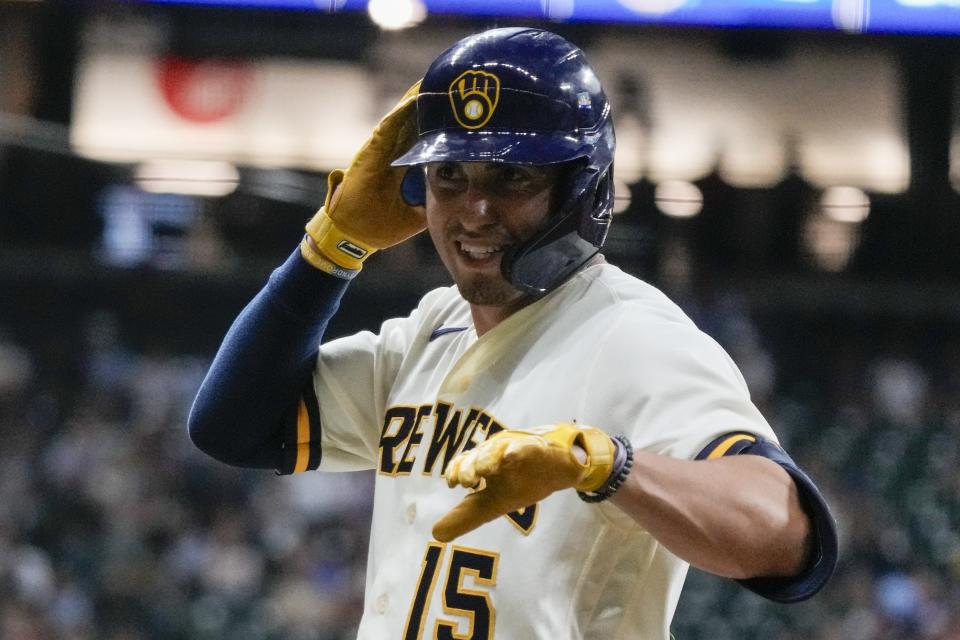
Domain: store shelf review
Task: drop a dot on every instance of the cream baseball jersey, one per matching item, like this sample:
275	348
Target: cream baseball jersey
604	349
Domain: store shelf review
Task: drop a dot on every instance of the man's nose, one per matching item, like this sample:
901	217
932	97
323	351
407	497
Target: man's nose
479	208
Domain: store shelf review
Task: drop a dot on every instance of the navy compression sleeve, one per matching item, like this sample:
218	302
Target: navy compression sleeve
823	559
263	364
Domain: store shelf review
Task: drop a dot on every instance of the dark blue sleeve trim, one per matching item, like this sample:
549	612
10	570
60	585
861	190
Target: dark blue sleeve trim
823	559
242	412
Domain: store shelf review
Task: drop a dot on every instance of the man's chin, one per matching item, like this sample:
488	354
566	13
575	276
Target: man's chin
488	292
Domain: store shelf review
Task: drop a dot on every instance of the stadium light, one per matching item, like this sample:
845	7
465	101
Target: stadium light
678	198
845	204
391	15
188	177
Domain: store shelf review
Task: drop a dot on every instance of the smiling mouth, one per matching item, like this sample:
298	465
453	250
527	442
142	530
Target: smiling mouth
478	251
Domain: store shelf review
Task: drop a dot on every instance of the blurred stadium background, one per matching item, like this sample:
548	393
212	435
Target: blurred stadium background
786	170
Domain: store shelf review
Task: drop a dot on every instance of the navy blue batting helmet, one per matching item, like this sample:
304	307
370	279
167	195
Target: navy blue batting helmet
523	96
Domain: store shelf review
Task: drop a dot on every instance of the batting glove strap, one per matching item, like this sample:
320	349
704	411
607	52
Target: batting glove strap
311	253
334	245
621	469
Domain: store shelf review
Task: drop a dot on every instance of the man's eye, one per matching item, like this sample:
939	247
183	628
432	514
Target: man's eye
447	172
513	174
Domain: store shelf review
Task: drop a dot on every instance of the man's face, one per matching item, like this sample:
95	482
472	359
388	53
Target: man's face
478	210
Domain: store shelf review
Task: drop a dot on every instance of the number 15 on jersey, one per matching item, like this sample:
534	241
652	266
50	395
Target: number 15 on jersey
471	608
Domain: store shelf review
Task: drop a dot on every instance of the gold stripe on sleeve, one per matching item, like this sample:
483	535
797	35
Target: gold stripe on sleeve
724	446
303	438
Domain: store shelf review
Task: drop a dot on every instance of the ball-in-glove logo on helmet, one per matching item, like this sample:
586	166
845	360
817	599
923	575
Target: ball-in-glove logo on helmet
474	96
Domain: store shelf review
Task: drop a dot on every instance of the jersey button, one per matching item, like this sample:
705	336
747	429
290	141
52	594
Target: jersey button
411	513
382	602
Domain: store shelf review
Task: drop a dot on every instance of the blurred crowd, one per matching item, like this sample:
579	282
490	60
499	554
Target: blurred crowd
113	527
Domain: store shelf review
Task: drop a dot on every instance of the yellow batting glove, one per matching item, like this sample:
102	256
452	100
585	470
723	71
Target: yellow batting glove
515	469
364	210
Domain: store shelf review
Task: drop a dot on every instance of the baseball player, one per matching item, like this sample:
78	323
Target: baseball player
554	441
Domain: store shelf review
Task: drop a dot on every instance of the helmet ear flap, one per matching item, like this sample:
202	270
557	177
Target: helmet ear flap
603	200
595	222
572	236
413	188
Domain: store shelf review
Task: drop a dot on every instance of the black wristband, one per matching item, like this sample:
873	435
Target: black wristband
621	469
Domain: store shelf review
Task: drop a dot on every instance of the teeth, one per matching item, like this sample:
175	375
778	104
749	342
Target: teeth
478	251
